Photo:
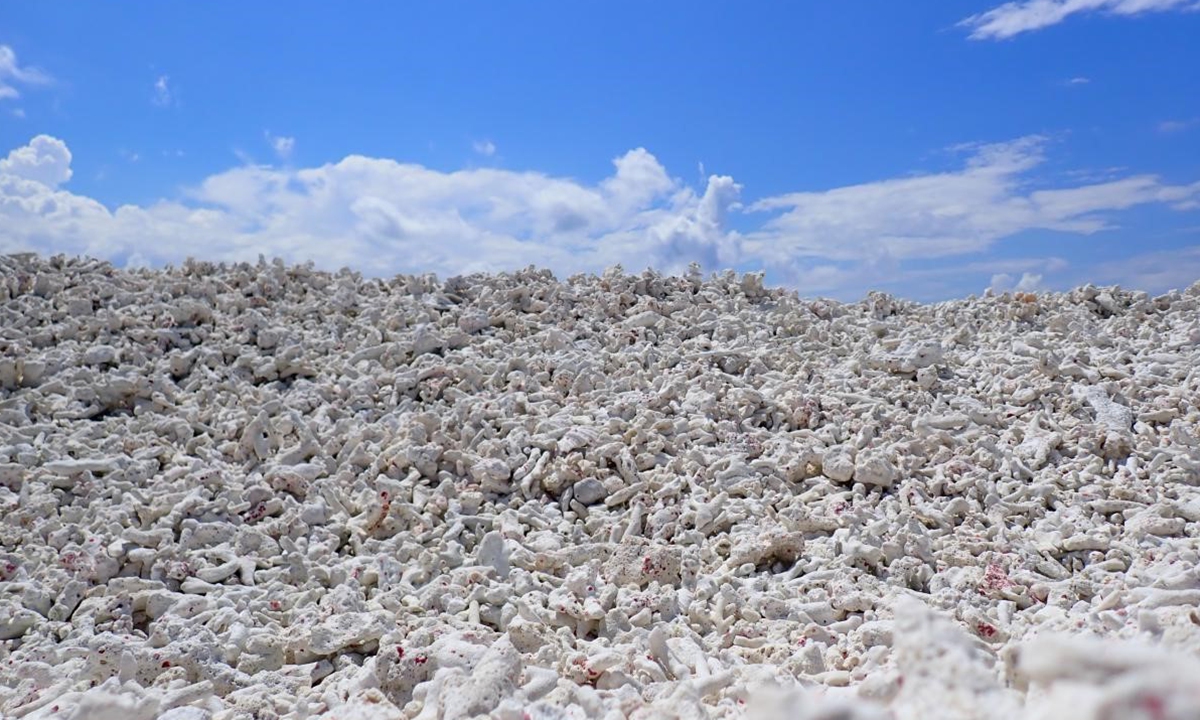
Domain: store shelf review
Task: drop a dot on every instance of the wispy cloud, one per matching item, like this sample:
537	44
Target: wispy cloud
163	95
1013	18
1175	126
1159	270
944	214
1079	80
13	73
908	233
486	148
1095	175
281	144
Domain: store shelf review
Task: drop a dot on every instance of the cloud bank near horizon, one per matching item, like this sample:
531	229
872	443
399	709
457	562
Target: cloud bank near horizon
905	234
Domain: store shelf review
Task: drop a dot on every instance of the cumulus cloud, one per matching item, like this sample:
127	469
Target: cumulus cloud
1029	282
45	160
379	215
1000	282
486	148
1003	282
1013	18
13	74
931	231
638	180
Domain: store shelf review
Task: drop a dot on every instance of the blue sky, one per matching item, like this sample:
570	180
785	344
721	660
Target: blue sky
927	149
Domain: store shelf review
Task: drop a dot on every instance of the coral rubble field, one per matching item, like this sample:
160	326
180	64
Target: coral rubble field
265	491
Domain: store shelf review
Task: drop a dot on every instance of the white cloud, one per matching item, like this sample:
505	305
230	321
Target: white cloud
486	148
1029	282
282	145
1094	175
12	73
1154	272
1079	81
1175	126
162	91
45	160
700	235
638	180
1013	18
879	224
933	282
1025	265
1001	282
385	217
